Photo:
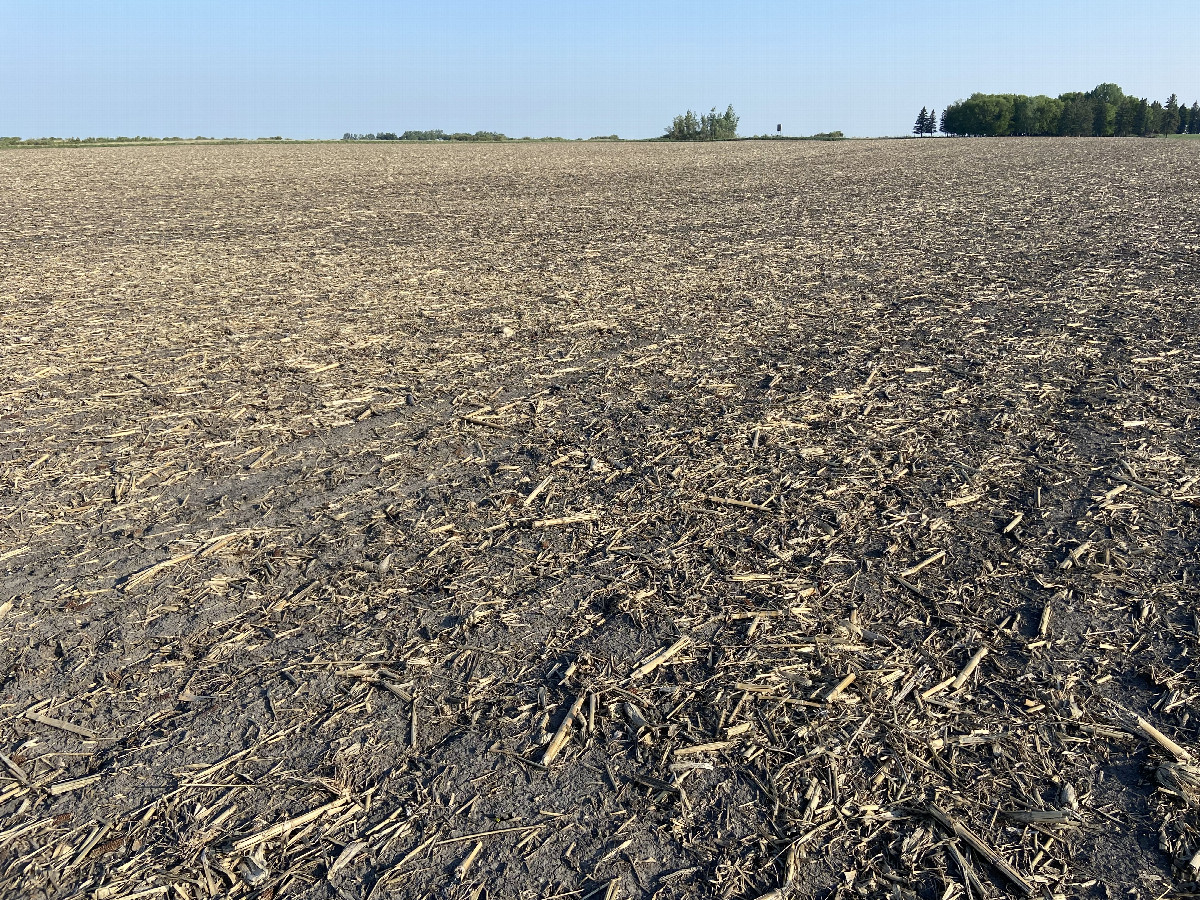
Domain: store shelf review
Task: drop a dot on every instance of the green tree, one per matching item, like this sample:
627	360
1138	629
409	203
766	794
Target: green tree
1154	118
1107	93
720	126
1123	122
1171	117
685	128
997	112
1194	125
1141	118
1106	99
988	114
711	126
931	122
1049	114
980	114
1078	117
922	122
1024	116
1103	111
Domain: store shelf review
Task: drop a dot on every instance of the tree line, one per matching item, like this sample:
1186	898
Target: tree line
437	134
57	141
434	135
1104	111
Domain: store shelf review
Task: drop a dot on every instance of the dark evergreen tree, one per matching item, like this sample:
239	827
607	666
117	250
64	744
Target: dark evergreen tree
922	122
942	125
1078	118
931	122
1194	125
1106	99
1141	118
1154	118
1123	123
1171	117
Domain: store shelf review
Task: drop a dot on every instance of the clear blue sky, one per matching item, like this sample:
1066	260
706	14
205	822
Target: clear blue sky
318	68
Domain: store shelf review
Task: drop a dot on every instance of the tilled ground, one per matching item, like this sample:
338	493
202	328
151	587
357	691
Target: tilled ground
788	520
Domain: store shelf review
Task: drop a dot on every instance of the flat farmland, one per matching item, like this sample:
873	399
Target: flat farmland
756	520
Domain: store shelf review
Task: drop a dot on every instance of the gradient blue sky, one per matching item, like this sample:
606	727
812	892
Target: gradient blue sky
315	69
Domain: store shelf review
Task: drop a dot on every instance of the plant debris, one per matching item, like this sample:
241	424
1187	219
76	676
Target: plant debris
564	521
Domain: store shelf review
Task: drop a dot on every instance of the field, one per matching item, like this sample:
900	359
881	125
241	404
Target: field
614	520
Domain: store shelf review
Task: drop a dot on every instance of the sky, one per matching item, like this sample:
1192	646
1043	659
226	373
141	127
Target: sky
320	68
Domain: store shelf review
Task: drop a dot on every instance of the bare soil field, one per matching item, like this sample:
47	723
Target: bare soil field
598	521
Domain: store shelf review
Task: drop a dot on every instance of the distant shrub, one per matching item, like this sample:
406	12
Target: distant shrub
480	136
821	136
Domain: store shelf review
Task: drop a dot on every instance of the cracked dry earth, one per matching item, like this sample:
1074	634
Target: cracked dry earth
759	520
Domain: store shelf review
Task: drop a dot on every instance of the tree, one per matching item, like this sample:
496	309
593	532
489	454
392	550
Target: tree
981	114
1154	118
720	127
1123	122
435	134
942	125
1106	99
1171	117
922	122
1141	118
1025	116
1078	117
711	126
1107	93
931	122
684	128
1049	111
1103	111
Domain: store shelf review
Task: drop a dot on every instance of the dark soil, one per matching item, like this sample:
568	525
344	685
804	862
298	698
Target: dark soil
332	478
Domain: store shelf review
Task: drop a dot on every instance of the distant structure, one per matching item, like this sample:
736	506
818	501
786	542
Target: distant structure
778	129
